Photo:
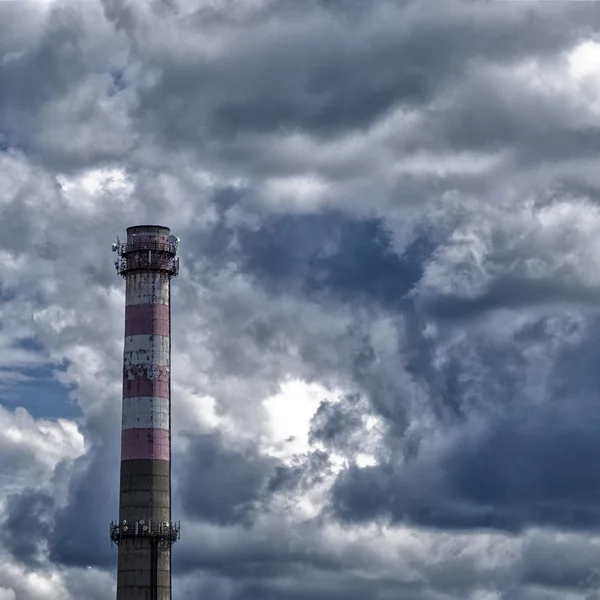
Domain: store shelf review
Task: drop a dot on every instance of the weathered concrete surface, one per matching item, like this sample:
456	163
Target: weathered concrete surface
134	580
145	493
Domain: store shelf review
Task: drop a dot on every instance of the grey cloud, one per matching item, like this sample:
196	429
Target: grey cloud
492	111
512	293
341	426
87	583
80	526
333	588
303	568
334	423
303	474
320	255
26	522
270	548
327	293
533	468
523	451
333	262
321	92
49	68
79	539
569	562
345	81
53	82
222	485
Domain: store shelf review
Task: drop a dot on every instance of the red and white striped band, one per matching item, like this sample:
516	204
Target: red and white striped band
145	428
147	319
145	444
146	360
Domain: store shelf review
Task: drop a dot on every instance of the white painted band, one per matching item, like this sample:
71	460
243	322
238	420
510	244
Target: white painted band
146	350
145	413
147	288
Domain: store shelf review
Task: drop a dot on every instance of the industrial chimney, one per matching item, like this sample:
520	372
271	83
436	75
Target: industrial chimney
144	532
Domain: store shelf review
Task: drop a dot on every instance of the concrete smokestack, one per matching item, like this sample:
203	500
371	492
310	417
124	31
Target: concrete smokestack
145	532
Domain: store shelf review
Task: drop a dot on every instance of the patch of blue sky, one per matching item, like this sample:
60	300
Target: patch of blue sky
118	83
8	144
5	294
38	390
36	387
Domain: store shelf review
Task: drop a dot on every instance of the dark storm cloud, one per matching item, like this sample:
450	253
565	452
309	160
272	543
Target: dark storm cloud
512	293
352	70
80	536
321	255
80	527
569	562
222	485
499	114
333	424
292	561
36	74
255	559
27	521
217	85
532	467
521	452
304	473
323	92
327	587
335	261
54	79
52	67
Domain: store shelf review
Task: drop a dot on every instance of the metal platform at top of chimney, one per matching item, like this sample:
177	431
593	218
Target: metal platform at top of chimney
143	256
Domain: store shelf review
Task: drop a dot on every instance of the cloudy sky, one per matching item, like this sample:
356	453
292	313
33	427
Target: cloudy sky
386	375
